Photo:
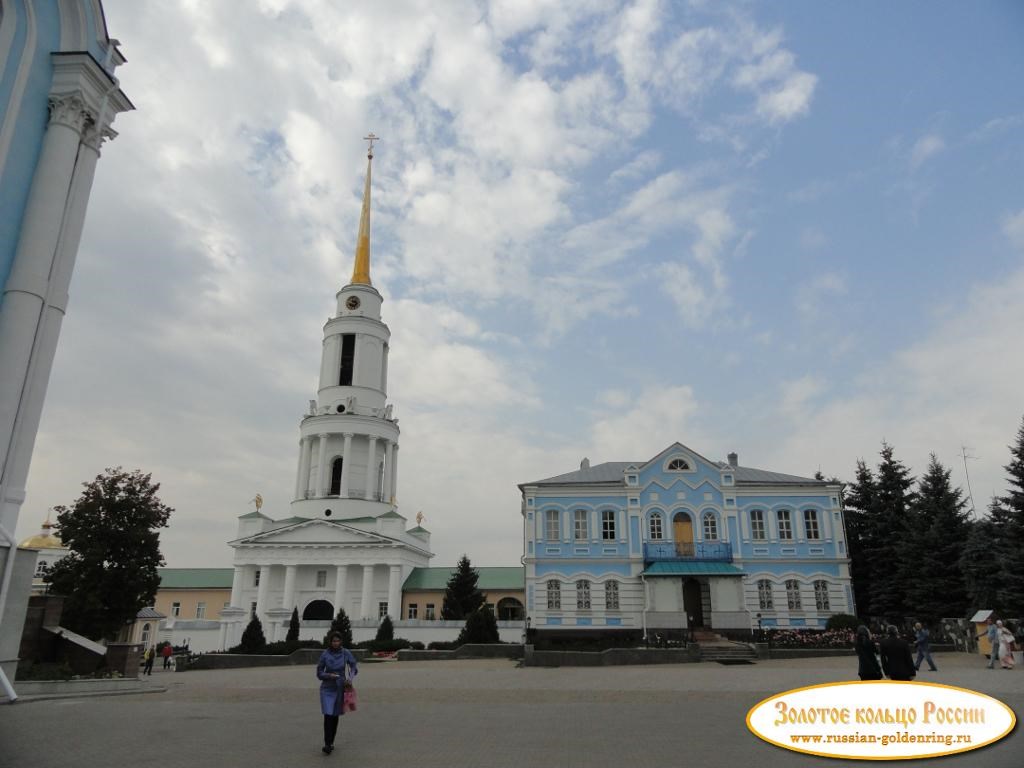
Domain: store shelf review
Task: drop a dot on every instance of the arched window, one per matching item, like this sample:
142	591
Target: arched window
580	527
764	595
336	476
821	595
710	526
657	528
554	594
318	610
757	529
611	595
582	594
678	465
551	524
793	594
811	530
510	609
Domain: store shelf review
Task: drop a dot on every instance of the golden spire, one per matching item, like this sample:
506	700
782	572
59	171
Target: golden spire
361	270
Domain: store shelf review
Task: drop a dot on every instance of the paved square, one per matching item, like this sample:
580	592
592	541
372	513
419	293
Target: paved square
482	714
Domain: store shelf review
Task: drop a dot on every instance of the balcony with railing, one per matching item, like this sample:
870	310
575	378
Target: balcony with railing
709	551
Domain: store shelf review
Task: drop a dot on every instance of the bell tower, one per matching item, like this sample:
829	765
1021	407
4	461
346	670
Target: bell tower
348	451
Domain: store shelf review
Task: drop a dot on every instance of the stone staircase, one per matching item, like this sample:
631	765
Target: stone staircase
714	647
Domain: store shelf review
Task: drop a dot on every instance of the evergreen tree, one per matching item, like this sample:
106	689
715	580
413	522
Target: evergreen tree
293	628
112	532
894	551
481	627
461	596
1011	594
980	562
859	511
938	588
253	639
386	630
343	627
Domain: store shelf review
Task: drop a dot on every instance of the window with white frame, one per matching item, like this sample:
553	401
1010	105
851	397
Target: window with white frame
256	578
611	595
757	531
764	595
551	532
657	529
710	526
793	594
785	521
608	525
428	612
811	529
678	465
200	610
821	595
145	634
413	610
41	568
582	594
321	579
382	609
175	609
579	525
554	595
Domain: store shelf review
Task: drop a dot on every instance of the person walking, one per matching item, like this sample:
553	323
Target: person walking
1005	646
167	652
897	662
331	671
867	655
992	633
923	643
150	657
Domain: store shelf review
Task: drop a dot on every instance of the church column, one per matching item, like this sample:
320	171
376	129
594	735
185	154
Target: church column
366	609
289	586
346	465
261	593
340	586
394	473
389	453
321	486
236	586
371	468
395	593
300	481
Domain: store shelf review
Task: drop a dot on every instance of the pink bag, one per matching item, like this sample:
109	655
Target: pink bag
348	703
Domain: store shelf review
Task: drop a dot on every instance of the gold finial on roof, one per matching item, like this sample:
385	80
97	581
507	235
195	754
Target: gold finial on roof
361	269
258	501
419	518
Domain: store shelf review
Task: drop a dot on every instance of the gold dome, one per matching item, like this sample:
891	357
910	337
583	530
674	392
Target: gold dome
44	540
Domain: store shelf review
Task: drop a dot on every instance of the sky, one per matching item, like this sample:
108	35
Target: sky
790	230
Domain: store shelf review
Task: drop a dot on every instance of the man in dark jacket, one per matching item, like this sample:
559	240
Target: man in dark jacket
897	661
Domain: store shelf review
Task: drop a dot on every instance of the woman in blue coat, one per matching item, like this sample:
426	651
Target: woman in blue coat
331	672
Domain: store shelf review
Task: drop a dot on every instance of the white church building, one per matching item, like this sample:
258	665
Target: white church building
344	544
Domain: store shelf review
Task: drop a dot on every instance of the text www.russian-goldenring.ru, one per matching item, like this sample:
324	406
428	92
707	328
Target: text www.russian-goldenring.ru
885	740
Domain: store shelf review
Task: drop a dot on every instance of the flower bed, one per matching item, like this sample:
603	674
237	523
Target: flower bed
810	638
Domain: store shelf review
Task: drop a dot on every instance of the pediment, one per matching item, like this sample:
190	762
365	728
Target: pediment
679	448
316	532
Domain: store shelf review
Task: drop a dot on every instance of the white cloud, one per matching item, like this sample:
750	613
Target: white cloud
814	296
1013	228
925	148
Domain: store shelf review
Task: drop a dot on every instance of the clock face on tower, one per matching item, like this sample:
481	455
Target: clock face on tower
352	302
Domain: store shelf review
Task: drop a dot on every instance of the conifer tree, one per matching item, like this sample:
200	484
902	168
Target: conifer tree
937	588
481	627
859	512
293	627
893	555
461	596
343	627
980	563
253	639
386	630
1011	522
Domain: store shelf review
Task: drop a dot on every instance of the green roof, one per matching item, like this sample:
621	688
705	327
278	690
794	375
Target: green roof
295	519
252	514
436	579
418	529
196	578
691	568
392	514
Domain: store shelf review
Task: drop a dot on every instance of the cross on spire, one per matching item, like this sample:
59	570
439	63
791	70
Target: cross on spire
371	138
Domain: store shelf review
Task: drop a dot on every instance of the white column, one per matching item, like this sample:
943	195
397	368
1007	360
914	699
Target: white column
371	467
321	483
346	468
389	453
289	586
236	586
298	470
368	611
340	586
394	473
395	592
261	593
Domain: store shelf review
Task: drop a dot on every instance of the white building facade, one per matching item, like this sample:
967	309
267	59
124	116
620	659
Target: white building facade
344	544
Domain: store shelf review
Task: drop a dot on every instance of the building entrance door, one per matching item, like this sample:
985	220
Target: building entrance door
692	603
682	532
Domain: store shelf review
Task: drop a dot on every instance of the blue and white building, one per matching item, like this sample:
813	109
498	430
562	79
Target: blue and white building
681	541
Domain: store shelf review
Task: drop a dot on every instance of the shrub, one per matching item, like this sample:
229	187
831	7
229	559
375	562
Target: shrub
443	645
342	626
293	627
481	627
842	621
386	630
253	639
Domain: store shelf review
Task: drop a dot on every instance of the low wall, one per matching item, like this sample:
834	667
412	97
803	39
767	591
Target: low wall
611	657
468	651
79	687
303	656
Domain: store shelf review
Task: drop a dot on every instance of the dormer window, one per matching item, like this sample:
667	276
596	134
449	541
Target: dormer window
630	479
678	465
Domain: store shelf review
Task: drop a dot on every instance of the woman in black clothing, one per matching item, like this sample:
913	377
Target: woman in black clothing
867	659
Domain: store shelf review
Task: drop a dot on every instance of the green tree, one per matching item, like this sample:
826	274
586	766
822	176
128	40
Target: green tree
481	627
1011	525
112	532
386	630
894	549
860	514
343	627
980	561
938	588
461	596
293	628
253	639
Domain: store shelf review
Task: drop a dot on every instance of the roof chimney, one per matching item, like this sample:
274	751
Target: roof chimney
585	464
734	460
